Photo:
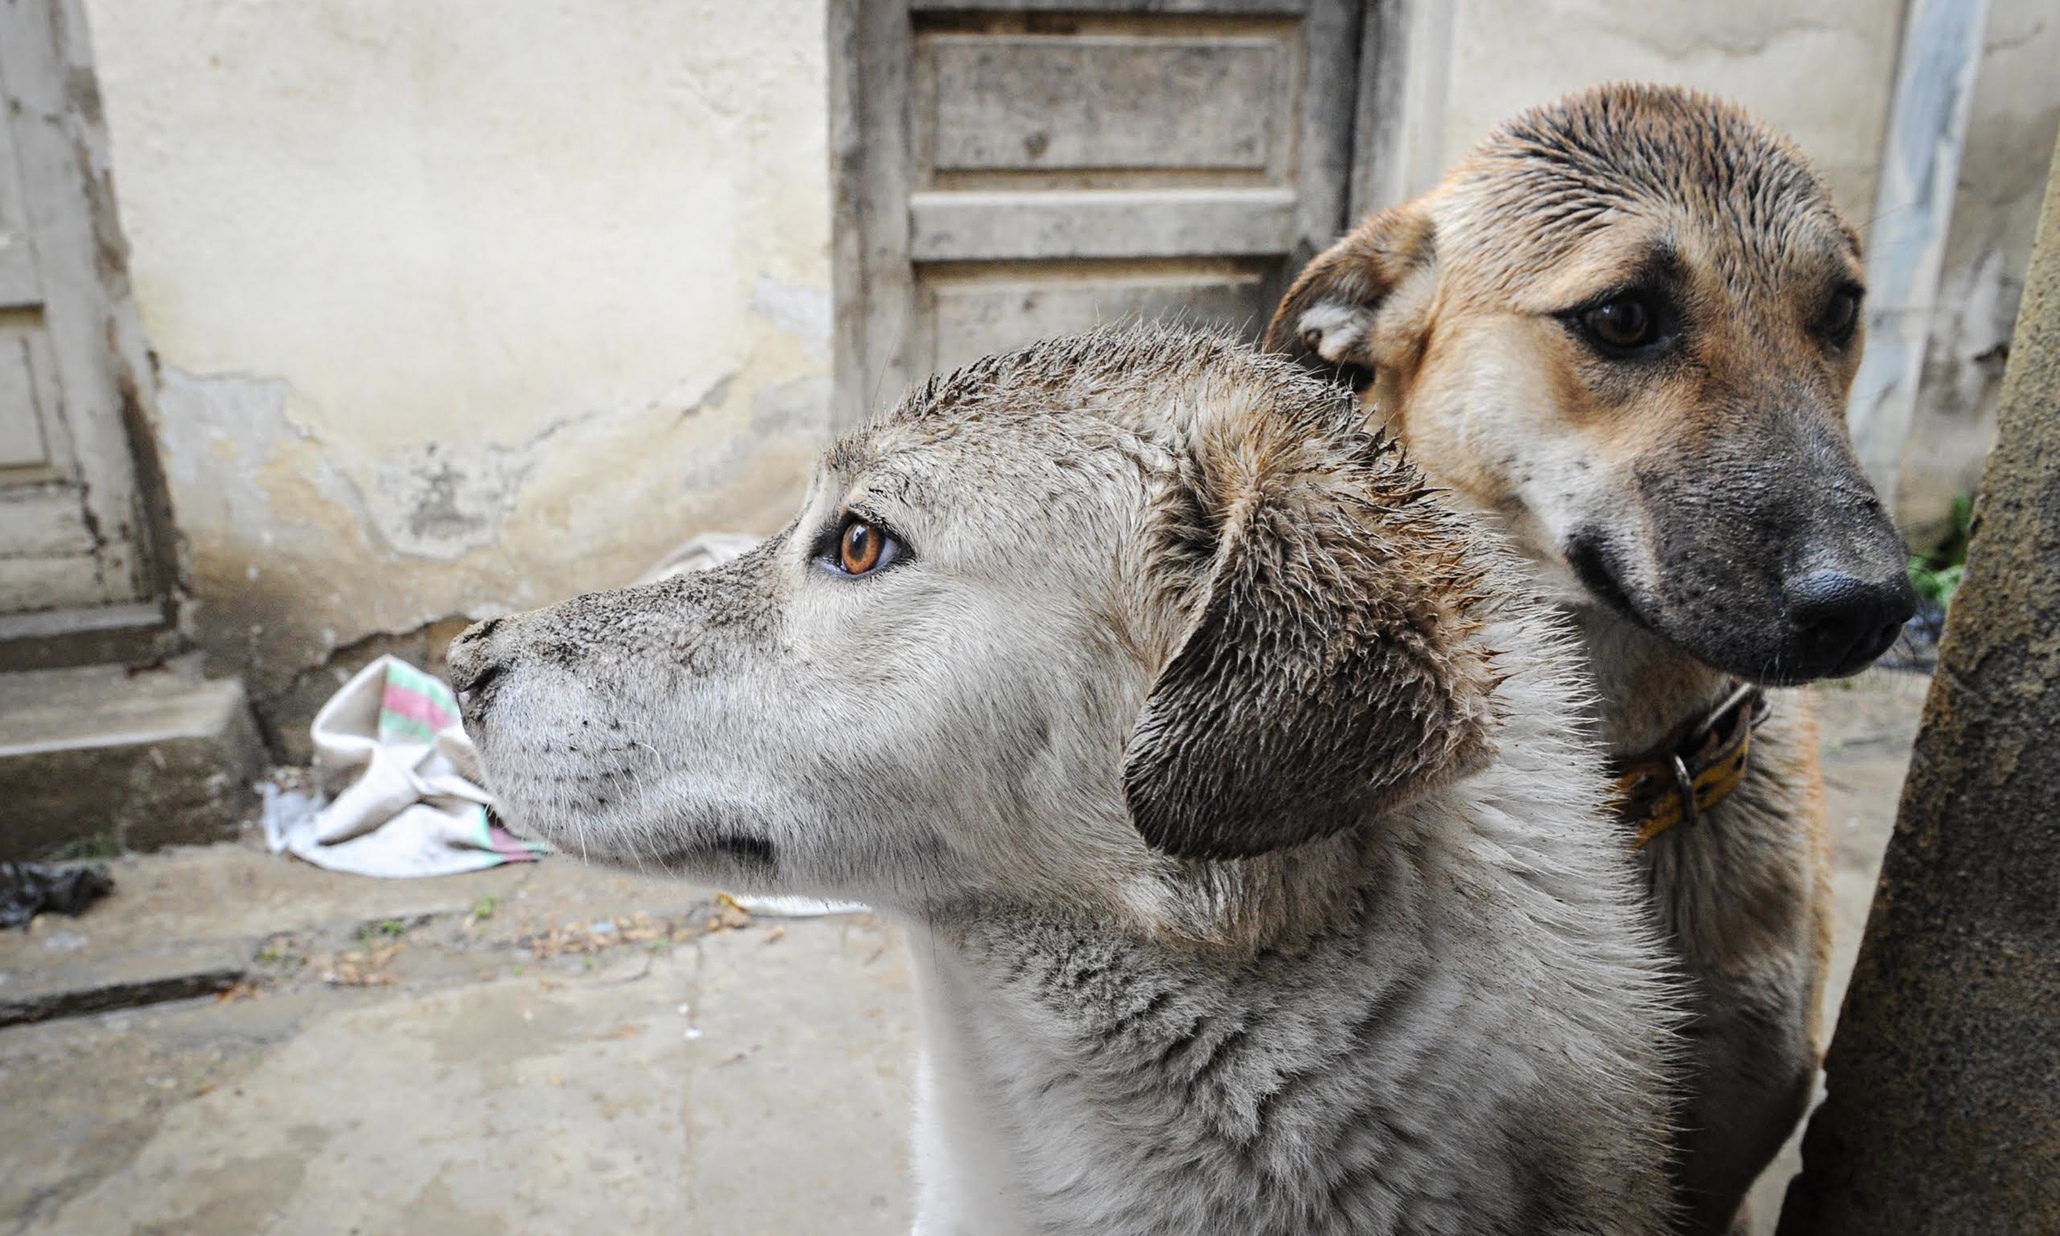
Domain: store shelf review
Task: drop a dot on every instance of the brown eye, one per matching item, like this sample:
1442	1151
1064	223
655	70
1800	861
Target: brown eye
1625	322
855	545
858	551
1841	316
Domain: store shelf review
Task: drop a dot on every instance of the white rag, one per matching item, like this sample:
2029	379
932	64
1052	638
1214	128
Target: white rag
418	804
414	804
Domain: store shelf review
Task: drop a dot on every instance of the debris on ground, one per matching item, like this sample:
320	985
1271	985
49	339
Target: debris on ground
363	967
582	939
727	913
794	907
29	889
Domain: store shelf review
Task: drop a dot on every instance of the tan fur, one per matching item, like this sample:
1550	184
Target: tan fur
1684	501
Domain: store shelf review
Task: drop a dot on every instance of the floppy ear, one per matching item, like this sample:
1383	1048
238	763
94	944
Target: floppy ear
1332	668
1326	321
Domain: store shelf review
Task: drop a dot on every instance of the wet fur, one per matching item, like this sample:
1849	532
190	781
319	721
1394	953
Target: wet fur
1666	504
1228	782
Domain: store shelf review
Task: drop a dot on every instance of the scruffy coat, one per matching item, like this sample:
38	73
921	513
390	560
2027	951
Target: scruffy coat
1227	781
1624	328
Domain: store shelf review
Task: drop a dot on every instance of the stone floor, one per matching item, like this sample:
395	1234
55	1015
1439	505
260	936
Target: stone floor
535	1049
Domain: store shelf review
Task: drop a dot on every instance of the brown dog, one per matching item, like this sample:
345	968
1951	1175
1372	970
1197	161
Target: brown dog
1624	327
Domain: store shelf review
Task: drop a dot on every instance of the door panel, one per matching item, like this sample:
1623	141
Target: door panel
21	409
974	311
1015	103
1008	172
71	528
1101	223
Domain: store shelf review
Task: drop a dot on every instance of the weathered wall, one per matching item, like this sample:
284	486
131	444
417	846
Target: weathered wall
1821	71
466	306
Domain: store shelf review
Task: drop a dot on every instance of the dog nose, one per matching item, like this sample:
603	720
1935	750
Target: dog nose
1846	622
471	659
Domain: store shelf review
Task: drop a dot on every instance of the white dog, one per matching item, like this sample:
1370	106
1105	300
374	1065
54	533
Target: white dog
1229	788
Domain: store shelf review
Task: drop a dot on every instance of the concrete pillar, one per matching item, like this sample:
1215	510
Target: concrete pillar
1913	216
1944	1108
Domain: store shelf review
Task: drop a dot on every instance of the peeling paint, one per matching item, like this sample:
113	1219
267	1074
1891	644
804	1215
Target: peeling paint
303	545
795	410
442	500
218	434
452	336
714	397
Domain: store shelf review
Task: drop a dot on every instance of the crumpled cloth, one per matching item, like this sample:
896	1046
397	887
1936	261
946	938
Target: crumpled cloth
409	797
701	553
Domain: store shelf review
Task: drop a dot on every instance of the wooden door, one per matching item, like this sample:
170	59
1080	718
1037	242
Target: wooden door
1011	170
72	529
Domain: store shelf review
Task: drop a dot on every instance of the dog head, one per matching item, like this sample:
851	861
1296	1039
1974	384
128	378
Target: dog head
1627	323
1065	622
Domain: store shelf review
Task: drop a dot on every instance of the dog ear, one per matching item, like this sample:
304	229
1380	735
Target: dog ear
1332	667
1326	321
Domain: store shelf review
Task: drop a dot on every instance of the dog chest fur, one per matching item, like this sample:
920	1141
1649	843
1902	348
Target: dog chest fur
1403	1070
1383	1077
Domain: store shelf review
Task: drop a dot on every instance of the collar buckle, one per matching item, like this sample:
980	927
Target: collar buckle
1684	785
1679	781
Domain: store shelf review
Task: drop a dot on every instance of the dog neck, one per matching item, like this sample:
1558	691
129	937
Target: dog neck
1084	1075
1646	688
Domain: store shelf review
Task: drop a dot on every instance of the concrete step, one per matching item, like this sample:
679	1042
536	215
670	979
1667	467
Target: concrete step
95	635
172	970
105	758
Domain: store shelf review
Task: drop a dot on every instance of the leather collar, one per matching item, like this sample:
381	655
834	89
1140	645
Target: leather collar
1697	767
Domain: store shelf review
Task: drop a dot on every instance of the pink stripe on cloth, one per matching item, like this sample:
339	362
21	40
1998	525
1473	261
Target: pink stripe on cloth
511	847
407	702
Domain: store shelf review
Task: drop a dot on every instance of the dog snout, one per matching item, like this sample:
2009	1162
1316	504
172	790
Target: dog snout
1844	622
472	660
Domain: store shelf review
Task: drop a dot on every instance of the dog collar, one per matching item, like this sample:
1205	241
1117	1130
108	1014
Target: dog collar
1697	768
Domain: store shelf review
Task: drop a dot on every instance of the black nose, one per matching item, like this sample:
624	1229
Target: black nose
1844	622
471	659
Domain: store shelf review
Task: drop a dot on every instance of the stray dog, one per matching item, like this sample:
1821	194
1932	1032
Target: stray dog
1625	327
1226	781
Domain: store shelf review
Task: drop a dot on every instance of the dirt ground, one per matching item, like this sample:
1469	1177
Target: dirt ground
530	1049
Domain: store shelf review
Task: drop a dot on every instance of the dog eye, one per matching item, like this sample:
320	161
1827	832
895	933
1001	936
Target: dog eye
1623	322
1841	316
864	547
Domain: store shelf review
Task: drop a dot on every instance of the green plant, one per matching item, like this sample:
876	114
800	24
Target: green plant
389	928
1936	586
1936	575
79	849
